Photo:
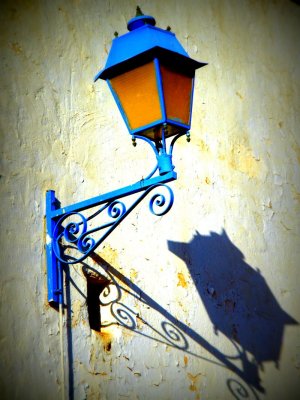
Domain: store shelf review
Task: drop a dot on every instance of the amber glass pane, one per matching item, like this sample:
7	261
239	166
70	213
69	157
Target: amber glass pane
177	89
138	94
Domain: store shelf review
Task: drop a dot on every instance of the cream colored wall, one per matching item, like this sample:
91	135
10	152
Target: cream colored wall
228	252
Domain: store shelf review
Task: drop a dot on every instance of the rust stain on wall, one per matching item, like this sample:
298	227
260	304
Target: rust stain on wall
203	146
133	274
194	386
106	340
241	158
110	255
181	280
16	47
140	322
185	360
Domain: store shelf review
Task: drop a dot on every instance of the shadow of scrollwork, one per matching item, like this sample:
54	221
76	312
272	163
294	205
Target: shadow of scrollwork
125	316
238	302
171	331
240	391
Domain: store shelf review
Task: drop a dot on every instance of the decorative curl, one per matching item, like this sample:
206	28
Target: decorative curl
123	315
85	243
116	209
80	237
159	204
110	294
73	229
76	232
239	391
71	233
174	335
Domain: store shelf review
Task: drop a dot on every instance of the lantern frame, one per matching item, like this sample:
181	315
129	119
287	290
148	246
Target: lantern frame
153	129
143	44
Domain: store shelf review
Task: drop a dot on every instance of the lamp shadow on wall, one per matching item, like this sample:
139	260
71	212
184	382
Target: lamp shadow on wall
237	298
238	301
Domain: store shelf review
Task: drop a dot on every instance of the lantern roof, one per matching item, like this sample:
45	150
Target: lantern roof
141	44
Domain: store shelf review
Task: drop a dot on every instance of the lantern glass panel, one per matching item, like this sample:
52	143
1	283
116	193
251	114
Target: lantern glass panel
137	92
177	88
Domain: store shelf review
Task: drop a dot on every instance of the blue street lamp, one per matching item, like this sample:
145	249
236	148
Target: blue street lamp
152	79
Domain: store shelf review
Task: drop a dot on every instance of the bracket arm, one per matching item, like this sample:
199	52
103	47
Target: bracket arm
77	234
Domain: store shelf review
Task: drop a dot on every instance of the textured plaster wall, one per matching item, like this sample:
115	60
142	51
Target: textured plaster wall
207	297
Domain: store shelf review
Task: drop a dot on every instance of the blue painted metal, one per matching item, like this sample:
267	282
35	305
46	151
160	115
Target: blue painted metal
160	89
114	195
139	21
72	229
68	227
53	275
144	43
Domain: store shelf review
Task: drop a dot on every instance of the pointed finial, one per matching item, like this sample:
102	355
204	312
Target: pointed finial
139	12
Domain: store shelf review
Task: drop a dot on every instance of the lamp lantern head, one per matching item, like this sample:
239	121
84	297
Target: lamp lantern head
151	78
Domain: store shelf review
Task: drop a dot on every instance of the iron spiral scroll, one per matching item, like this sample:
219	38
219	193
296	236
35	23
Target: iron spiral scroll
123	315
72	231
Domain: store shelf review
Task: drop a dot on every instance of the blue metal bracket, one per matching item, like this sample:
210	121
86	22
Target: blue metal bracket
75	231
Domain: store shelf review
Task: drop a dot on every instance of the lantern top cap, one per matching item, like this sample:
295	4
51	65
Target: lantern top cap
143	42
139	21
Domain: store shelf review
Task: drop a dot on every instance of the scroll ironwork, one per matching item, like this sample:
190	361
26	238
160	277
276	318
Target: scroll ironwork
74	231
